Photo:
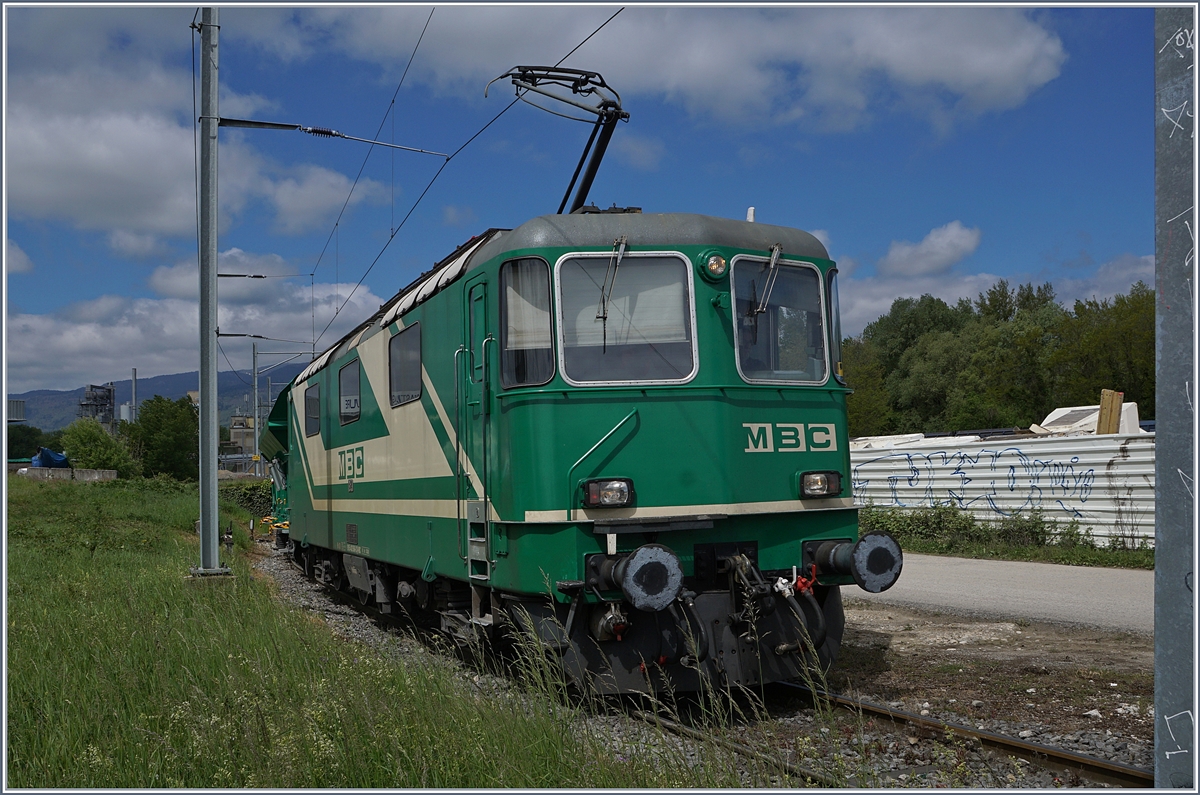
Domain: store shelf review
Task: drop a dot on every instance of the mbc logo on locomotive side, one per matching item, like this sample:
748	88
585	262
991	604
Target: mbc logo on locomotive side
350	463
789	437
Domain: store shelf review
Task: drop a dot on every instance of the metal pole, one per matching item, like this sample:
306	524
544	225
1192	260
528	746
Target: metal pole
1174	354
254	357
209	428
133	400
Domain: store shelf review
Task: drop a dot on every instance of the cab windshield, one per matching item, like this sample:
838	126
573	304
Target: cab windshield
627	319
781	333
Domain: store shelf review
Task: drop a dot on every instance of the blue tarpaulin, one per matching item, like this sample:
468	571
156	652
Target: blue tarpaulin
49	458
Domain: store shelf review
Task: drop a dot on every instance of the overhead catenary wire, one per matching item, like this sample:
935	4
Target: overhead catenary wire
226	357
390	111
262	337
438	173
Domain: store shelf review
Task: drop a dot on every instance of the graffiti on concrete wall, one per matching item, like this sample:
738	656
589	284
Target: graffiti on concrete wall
1094	481
1007	481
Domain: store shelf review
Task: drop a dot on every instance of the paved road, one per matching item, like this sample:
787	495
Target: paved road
1115	599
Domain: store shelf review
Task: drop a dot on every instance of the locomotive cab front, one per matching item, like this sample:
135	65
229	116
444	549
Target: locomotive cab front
688	386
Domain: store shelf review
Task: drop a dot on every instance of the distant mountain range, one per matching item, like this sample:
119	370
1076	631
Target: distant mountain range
50	409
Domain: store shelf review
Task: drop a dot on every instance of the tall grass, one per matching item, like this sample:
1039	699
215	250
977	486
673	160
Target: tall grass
123	672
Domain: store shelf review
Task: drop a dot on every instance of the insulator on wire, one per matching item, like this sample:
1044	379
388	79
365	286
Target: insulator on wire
323	132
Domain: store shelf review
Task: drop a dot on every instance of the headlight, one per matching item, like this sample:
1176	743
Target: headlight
608	493
712	265
820	484
716	265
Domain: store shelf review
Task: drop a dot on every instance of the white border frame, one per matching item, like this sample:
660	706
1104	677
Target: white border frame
737	348
559	333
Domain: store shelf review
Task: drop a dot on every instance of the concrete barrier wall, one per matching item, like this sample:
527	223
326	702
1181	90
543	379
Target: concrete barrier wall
1105	482
85	475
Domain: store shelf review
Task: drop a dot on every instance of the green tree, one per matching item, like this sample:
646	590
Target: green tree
88	446
907	320
1030	299
168	433
869	406
998	304
23	440
927	366
921	383
53	440
1108	345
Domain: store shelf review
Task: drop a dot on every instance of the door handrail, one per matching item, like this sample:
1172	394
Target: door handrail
485	414
572	484
458	457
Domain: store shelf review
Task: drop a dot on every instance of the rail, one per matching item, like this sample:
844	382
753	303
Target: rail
1100	770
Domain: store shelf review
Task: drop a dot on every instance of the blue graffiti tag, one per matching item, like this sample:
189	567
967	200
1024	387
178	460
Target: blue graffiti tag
990	477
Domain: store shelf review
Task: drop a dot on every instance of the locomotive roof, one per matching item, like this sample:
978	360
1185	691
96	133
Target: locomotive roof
653	229
577	230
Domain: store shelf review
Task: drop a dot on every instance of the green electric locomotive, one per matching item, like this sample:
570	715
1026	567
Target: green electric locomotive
621	433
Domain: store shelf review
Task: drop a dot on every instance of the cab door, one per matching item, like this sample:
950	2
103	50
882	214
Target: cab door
475	379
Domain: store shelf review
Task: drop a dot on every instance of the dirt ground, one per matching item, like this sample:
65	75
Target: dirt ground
1063	679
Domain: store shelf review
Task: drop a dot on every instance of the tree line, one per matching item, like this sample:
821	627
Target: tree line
165	440
1004	360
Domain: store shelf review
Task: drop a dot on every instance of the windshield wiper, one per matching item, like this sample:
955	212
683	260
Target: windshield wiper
772	272
757	307
614	262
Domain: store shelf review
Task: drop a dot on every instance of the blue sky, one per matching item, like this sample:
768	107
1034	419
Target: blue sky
933	149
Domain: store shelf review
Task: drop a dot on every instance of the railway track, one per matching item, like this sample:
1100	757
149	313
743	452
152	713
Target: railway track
1094	769
1056	760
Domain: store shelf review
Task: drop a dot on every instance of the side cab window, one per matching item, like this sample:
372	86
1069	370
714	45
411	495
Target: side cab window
526	345
348	393
312	410
404	365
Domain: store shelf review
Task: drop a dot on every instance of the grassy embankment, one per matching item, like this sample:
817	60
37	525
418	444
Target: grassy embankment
122	673
946	530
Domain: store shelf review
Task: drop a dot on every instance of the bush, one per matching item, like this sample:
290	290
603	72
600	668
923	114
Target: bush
943	527
1073	537
88	446
252	495
946	528
1030	530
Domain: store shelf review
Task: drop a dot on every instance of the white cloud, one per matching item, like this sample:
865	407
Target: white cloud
134	245
54	37
133	175
182	280
16	260
100	128
826	66
862	300
865	299
941	250
453	215
312	195
639	152
89	341
102	172
1110	278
